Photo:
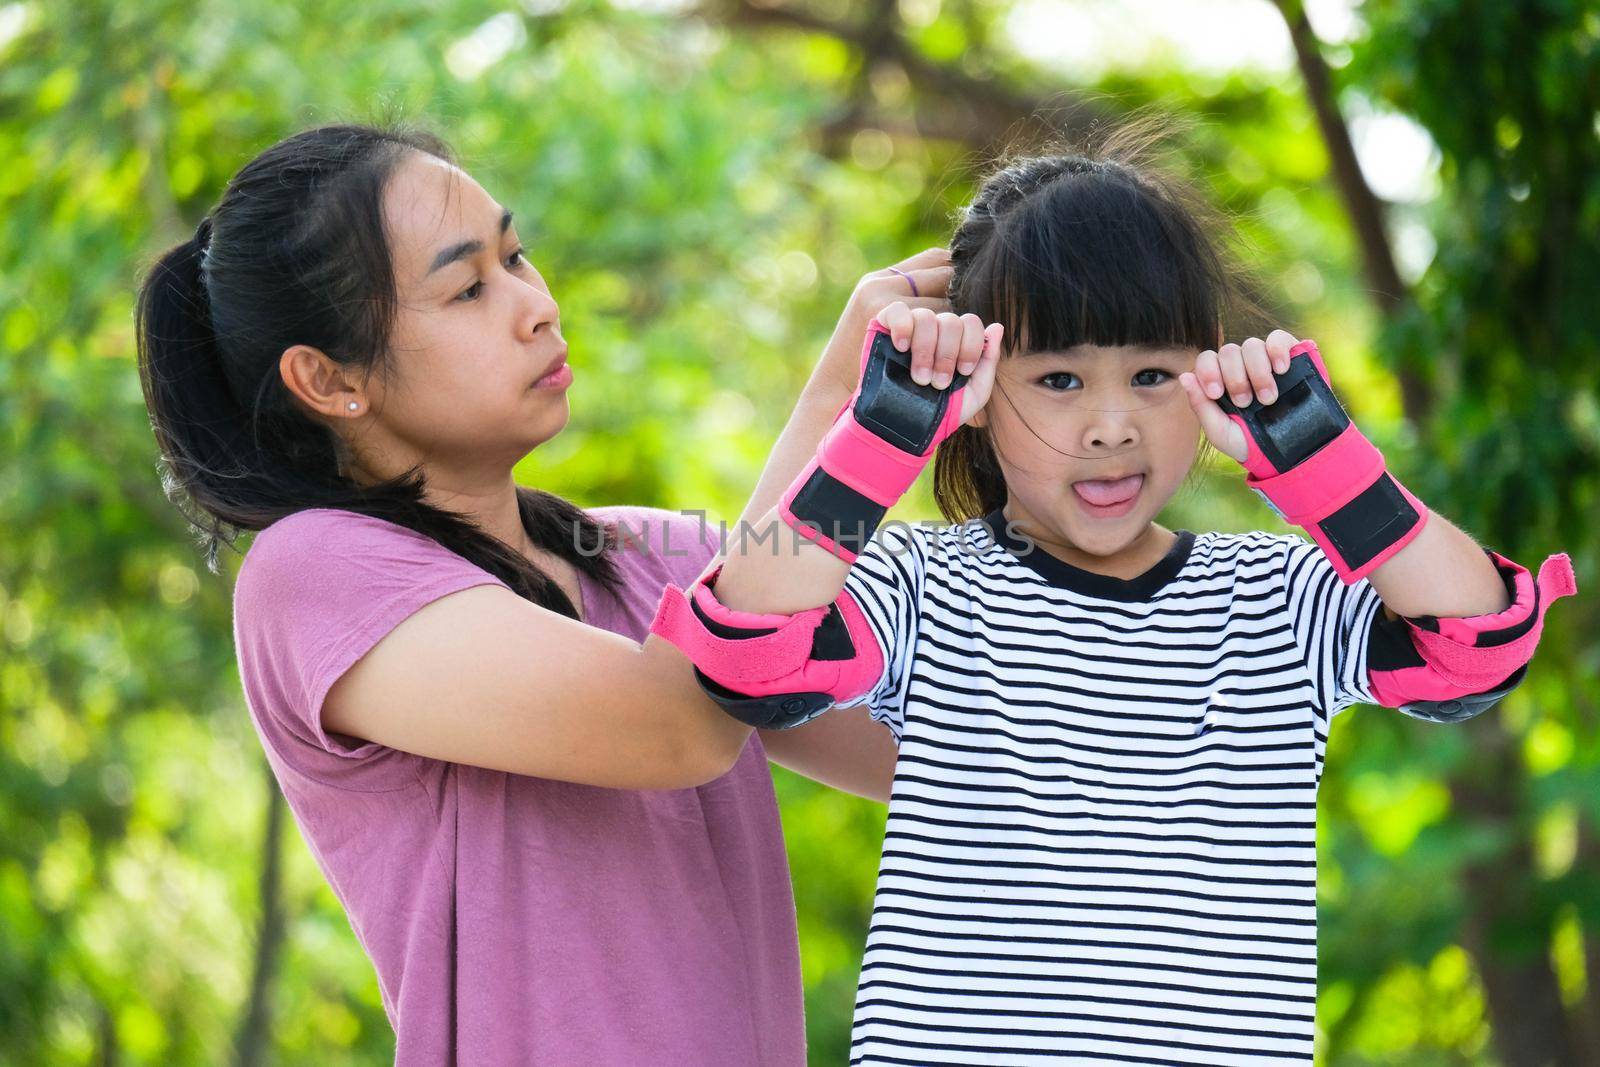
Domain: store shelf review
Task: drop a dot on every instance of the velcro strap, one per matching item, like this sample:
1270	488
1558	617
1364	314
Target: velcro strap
867	463
781	644
1481	650
1323	483
830	513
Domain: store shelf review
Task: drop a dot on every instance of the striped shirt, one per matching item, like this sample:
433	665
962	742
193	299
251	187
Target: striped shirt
1101	842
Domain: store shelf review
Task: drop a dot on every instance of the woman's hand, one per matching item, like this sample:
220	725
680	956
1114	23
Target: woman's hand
1245	373
942	341
930	271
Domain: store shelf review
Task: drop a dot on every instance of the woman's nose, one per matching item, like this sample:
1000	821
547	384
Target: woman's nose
540	310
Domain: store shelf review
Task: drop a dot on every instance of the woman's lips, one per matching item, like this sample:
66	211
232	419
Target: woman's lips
1109	498
557	377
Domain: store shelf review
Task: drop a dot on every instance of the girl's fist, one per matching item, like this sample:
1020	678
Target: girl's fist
1245	373
943	344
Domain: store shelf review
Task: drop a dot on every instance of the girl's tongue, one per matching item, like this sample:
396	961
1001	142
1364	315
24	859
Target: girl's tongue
1103	493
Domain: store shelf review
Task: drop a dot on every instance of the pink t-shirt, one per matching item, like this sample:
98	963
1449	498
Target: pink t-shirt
518	920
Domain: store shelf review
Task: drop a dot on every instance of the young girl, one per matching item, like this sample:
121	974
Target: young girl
554	848
1101	837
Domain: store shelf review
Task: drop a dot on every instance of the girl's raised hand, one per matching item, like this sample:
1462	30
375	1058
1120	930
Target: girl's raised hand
1245	373
943	344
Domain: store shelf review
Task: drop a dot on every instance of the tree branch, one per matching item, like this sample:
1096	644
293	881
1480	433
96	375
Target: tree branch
1361	204
979	111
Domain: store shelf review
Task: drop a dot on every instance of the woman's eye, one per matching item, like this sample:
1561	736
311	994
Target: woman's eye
470	293
1056	382
1150	370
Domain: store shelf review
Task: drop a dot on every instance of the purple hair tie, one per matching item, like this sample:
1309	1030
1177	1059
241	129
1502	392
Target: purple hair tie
909	280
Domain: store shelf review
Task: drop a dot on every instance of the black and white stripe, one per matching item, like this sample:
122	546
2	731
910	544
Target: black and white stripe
1101	845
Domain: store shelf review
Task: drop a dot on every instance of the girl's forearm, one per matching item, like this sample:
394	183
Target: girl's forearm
766	567
771	568
1443	572
814	412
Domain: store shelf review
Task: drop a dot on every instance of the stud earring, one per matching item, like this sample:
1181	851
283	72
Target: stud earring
354	405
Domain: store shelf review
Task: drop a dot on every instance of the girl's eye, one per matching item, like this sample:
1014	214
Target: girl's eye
470	293
1061	381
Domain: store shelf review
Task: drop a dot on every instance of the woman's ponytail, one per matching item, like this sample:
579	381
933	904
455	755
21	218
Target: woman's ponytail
200	426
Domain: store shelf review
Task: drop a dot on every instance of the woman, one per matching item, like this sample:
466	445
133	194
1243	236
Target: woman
552	845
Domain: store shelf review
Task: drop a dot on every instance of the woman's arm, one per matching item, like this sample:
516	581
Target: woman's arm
843	749
487	678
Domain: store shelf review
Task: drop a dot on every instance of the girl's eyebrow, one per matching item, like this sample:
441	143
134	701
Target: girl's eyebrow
1127	353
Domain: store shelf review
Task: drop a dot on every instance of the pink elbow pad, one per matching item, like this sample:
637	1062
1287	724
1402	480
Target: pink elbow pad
772	671
1445	669
1316	469
876	448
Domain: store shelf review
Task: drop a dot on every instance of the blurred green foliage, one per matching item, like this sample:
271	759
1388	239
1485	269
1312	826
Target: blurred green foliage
702	191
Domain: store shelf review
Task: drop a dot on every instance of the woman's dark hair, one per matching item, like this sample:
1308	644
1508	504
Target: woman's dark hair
1082	246
296	252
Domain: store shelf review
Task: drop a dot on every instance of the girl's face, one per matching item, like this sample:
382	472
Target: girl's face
477	375
1115	416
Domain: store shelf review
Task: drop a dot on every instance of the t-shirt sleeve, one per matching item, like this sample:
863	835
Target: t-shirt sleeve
315	593
1332	625
886	581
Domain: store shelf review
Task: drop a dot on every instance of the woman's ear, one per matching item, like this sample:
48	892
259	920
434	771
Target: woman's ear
320	385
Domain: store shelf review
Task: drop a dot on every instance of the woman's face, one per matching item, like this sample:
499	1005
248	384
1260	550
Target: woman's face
1112	415
477	374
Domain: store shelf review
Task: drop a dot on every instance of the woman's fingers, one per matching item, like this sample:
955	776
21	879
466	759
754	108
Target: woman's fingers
928	257
931	281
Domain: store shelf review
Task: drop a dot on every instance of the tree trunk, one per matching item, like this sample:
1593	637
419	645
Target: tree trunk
254	1035
1524	999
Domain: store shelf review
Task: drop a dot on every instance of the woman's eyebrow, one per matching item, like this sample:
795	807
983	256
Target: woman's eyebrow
463	249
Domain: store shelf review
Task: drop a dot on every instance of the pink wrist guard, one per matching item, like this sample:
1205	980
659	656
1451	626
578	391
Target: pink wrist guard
1313	467
878	444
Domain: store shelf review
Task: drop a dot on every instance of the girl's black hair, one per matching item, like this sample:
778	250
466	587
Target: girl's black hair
296	252
1083	246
